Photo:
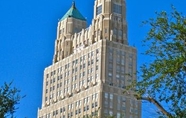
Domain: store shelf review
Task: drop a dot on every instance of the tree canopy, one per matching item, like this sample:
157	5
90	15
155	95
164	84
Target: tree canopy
9	98
163	80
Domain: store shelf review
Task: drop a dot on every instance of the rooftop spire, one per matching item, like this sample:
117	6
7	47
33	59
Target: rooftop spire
73	4
73	12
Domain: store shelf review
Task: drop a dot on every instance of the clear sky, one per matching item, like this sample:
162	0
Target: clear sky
27	35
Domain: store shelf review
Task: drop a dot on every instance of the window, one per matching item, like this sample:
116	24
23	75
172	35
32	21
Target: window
83	65
110	74
120	33
111	96
84	108
46	98
63	109
99	10
97	51
96	76
115	31
118	107
111	104
85	100
92	53
83	74
69	107
118	59
92	105
96	104
79	102
118	68
106	95
76	61
122	62
87	107
96	95
106	104
54	113
111	113
106	111
96	67
118	115
117	8
47	75
122	77
105	30
92	61
117	76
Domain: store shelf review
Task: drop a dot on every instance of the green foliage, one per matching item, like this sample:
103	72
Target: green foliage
164	78
9	97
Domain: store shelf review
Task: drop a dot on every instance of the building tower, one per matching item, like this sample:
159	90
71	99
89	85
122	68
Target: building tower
91	66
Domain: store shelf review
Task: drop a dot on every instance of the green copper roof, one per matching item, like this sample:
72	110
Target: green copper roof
74	13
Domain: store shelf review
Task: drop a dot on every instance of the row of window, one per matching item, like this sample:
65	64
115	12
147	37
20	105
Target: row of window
117	8
52	94
99	10
74	62
62	110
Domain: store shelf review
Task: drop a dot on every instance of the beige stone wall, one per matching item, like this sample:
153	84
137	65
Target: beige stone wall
110	24
66	86
91	67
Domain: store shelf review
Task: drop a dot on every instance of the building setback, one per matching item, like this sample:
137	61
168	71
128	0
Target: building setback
91	66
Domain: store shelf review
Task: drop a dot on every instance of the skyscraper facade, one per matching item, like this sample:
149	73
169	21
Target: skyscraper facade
91	66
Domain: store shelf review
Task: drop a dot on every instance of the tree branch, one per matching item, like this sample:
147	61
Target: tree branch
156	103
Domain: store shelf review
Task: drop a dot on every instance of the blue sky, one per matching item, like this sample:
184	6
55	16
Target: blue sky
27	35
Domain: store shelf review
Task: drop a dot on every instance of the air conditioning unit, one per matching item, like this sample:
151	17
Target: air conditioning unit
62	97
94	83
82	88
69	94
75	91
54	100
91	83
78	90
85	86
47	103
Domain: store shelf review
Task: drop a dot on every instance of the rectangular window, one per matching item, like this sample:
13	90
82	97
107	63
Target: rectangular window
106	95
105	30
117	8
115	31
111	96
106	104
110	74
99	10
118	115
111	113
96	104
120	33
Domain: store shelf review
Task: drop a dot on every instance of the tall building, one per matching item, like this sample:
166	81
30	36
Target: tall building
91	66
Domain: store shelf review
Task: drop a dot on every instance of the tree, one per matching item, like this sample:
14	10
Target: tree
9	98
162	81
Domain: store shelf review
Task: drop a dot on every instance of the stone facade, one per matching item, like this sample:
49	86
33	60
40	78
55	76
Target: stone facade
91	66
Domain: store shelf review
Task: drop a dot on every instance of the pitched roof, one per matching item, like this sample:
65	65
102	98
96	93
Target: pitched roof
74	13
